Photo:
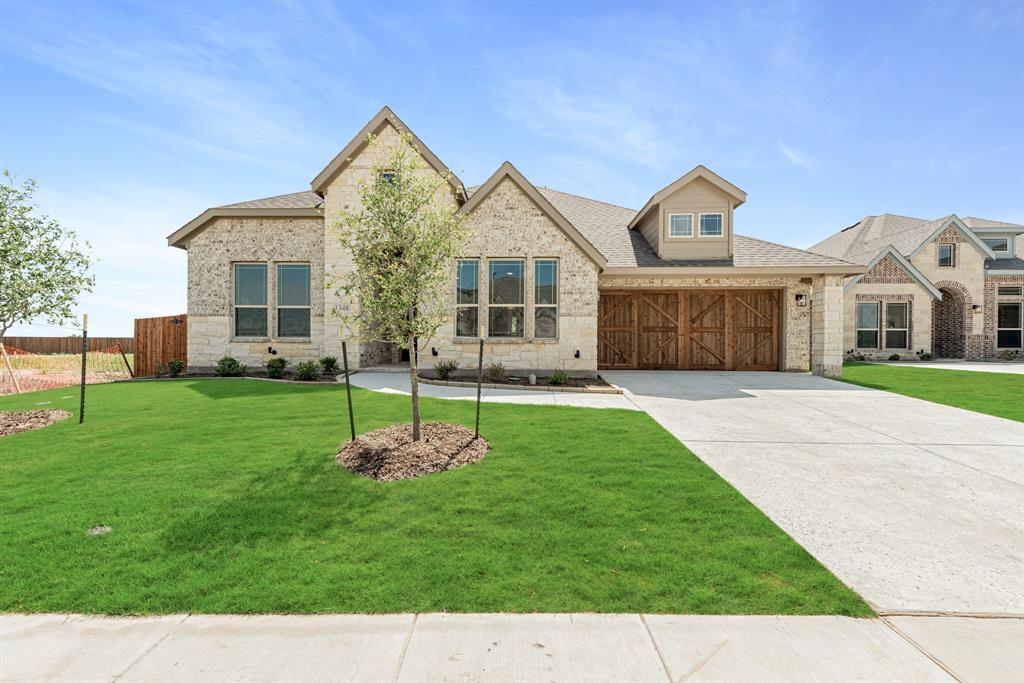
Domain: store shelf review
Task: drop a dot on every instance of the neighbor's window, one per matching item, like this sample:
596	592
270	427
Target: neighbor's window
467	298
710	224
545	299
1008	326
896	327
1000	245
250	300
680	225
506	311
1011	291
292	300
867	326
946	255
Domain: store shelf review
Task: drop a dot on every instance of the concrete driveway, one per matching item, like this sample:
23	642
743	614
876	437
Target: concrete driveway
917	506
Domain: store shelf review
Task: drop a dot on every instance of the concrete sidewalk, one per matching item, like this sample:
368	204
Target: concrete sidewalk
508	647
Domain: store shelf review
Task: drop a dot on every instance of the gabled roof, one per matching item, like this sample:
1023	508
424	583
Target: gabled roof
865	239
507	170
381	120
286	205
909	267
985	223
699	171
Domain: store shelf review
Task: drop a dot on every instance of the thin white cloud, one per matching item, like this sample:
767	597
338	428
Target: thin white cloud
794	157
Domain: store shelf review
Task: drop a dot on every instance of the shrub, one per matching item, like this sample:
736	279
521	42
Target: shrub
894	356
494	373
1008	354
229	367
446	368
175	367
926	355
559	378
307	371
275	367
858	357
329	365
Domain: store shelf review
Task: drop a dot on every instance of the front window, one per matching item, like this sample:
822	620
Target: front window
293	300
867	326
1008	327
545	299
250	300
999	245
506	310
946	255
1011	291
467	298
710	224
680	225
896	327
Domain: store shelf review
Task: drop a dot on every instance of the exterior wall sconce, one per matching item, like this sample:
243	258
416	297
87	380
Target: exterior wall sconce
976	308
271	351
801	299
433	351
577	354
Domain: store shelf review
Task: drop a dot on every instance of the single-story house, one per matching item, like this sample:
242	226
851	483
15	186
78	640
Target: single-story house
952	287
549	280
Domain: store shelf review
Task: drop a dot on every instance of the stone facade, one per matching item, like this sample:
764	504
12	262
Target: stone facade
827	326
796	321
211	256
507	224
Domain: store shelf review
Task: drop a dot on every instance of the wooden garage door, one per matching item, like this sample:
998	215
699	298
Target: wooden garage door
697	329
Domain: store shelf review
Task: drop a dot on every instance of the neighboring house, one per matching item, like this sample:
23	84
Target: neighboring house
952	287
548	279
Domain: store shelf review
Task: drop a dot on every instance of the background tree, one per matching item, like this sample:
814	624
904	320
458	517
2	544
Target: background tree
403	241
43	267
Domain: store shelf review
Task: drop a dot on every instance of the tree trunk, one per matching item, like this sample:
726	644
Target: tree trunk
415	390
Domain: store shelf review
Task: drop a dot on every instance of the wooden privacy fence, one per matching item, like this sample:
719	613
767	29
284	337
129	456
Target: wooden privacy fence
48	345
158	341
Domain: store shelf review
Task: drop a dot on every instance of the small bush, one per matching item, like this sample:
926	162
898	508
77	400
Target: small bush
229	367
275	367
329	365
858	357
446	368
1008	354
894	356
494	373
926	356
175	367
307	371
559	378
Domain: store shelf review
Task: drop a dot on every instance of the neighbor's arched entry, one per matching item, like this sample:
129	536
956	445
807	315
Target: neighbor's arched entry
948	325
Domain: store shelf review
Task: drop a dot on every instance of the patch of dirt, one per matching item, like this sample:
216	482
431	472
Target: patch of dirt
23	420
390	454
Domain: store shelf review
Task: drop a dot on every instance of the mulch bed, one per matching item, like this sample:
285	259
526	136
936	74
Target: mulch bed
389	454
23	420
516	380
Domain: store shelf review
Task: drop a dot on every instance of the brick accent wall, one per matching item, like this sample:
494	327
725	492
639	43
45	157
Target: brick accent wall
884	351
887	271
988	350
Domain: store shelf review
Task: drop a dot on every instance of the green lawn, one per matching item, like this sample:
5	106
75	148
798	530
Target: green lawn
993	393
224	496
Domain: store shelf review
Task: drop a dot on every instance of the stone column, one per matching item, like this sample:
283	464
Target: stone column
827	326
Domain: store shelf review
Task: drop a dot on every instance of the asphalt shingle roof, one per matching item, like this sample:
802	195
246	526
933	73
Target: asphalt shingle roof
1004	264
295	200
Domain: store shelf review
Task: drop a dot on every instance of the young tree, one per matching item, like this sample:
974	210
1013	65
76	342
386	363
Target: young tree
403	240
43	267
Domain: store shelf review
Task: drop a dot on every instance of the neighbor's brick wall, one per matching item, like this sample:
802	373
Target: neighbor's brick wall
966	276
920	335
508	225
988	350
796	322
211	254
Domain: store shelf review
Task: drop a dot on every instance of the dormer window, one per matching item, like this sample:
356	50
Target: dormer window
711	225
999	245
680	225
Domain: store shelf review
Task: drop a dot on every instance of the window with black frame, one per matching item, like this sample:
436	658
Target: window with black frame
293	300
506	309
467	298
250	299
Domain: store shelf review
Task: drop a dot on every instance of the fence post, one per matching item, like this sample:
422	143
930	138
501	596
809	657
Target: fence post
348	390
126	364
479	382
7	360
85	334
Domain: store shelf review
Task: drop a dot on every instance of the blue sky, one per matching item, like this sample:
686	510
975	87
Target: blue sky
136	117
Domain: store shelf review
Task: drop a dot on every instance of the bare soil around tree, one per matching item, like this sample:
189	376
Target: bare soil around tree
15	421
389	454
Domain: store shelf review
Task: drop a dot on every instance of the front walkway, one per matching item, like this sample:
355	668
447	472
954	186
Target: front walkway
1012	368
503	647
